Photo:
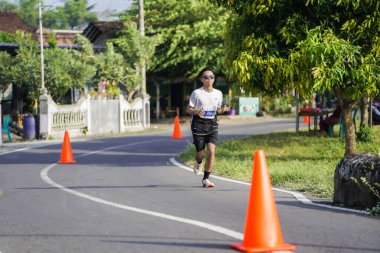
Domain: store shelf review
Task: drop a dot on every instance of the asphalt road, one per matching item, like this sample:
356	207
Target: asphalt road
128	194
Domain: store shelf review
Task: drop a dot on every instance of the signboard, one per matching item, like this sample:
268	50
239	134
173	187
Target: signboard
248	105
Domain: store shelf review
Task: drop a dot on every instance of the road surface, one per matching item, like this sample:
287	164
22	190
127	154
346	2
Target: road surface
129	194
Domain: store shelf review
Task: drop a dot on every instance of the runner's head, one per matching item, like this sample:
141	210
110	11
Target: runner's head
207	76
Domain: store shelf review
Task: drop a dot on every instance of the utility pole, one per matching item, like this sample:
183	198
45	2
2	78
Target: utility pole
42	50
142	32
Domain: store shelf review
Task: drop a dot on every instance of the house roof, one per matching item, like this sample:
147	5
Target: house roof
102	29
10	22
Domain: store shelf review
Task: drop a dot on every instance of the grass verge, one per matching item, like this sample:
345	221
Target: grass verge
304	163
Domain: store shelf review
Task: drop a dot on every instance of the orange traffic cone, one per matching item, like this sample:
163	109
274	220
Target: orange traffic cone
177	129
262	228
306	119
66	154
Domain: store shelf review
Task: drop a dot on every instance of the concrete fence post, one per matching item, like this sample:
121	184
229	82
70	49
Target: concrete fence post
44	116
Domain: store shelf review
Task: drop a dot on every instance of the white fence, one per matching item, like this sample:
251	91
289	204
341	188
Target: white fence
93	116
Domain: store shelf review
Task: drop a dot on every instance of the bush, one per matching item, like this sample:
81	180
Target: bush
375	211
365	134
277	105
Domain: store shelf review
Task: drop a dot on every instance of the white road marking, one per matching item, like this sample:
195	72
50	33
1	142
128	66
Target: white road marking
113	147
211	227
221	230
218	229
21	149
174	162
300	197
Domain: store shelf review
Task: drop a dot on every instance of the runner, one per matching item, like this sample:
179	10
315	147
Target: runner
205	103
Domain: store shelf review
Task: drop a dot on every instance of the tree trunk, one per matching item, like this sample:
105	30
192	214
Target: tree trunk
370	113
350	130
346	106
130	96
364	112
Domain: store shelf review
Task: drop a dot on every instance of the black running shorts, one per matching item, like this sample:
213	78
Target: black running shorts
204	131
200	141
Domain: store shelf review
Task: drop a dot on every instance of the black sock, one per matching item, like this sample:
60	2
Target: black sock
206	175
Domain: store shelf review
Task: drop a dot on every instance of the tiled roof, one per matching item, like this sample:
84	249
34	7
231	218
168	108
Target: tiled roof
10	22
101	28
104	25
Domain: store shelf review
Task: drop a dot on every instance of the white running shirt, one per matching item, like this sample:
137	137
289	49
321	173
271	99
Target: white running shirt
208	101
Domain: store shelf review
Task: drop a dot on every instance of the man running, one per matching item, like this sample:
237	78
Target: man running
205	103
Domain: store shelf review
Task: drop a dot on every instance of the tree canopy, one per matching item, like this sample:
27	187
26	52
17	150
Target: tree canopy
312	45
74	14
7	6
191	34
64	68
136	49
68	68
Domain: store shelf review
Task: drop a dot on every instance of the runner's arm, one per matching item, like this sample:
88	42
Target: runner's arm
193	111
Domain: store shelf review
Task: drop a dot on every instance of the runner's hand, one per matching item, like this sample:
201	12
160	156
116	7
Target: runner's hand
200	112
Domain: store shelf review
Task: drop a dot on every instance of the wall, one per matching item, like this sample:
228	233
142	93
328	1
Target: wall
93	116
104	116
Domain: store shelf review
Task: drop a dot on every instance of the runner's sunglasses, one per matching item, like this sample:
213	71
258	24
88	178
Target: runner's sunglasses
208	77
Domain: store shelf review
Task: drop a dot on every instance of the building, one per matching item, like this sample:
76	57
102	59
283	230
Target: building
100	31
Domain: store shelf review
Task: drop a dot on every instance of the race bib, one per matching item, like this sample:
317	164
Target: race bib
209	114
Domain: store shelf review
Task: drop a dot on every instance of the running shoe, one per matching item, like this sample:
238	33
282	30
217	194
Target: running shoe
198	168
207	183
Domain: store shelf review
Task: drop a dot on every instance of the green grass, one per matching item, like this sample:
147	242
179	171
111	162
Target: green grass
304	163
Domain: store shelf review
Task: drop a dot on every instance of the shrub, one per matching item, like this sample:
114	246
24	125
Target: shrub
375	211
365	134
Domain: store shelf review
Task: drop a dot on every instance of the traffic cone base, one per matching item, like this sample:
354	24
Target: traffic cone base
66	153
283	247
262	226
63	161
177	129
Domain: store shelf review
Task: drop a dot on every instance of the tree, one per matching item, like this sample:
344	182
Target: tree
58	62
64	68
83	68
77	13
68	68
28	11
114	69
312	45
7	6
7	37
135	49
25	70
55	18
5	60
191	34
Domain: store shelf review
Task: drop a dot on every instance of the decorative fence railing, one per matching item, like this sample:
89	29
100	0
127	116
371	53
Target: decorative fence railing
93	116
68	119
